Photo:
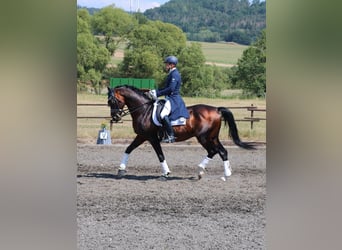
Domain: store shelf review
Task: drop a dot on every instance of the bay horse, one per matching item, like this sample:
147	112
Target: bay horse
204	123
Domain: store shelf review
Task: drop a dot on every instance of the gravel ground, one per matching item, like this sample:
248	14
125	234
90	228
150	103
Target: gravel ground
141	212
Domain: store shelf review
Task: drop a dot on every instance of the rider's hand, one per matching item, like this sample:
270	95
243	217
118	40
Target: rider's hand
152	94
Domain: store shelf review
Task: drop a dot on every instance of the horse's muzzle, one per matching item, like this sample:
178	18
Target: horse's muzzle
116	118
116	115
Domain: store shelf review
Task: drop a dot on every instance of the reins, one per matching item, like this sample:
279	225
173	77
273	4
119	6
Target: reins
127	111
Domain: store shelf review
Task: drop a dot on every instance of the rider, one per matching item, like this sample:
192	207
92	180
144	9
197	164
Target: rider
174	107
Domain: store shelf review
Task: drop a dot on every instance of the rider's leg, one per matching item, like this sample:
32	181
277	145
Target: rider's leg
167	123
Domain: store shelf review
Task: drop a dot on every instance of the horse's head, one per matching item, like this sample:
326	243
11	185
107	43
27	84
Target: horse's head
116	102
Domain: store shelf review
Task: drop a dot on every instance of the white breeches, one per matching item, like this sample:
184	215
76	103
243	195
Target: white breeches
166	110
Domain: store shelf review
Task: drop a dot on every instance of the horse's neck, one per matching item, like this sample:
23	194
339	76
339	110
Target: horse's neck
133	101
137	105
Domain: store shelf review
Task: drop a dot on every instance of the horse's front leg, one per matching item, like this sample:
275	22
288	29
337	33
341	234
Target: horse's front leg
164	167
135	143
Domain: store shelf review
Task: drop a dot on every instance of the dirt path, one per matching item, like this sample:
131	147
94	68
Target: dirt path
140	212
221	64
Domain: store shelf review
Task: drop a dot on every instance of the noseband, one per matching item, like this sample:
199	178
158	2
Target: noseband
112	101
121	112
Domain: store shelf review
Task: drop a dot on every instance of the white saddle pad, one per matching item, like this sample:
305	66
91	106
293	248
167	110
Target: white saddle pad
180	121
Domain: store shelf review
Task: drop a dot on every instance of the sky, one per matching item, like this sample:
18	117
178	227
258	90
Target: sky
127	5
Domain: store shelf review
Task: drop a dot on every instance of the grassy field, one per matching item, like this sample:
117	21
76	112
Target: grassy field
87	129
221	54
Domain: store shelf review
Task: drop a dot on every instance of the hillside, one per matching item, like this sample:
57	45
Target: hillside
214	20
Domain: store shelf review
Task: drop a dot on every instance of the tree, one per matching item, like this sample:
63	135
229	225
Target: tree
94	77
141	63
149	43
141	19
200	79
114	24
214	20
92	58
250	73
83	21
238	37
191	62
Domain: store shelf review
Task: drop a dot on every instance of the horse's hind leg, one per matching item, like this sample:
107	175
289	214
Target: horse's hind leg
224	156
213	147
135	143
212	151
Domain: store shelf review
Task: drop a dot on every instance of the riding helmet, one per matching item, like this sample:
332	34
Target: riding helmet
171	59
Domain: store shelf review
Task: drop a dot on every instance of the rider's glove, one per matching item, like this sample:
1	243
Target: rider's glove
153	94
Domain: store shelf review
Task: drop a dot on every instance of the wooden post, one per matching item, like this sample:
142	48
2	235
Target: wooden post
252	114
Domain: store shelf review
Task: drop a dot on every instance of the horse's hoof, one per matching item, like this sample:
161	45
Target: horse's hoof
164	177
121	173
200	173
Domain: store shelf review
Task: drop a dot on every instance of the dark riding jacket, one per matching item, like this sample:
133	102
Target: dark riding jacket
171	91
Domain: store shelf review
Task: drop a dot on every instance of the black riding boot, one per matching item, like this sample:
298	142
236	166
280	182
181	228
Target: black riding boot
167	125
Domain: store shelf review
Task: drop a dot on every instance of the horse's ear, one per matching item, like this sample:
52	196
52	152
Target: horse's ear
110	92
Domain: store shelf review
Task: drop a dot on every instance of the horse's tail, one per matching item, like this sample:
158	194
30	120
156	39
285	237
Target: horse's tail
228	117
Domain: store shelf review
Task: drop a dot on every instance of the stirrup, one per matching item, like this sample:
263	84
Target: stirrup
169	139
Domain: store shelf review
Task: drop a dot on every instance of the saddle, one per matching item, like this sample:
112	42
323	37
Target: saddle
158	106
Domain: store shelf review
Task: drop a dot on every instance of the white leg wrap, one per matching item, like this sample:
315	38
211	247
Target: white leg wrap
204	163
164	167
124	161
227	169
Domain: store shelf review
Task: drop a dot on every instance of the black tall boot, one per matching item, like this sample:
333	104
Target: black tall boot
167	125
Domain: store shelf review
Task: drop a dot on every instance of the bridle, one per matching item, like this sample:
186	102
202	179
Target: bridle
120	111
